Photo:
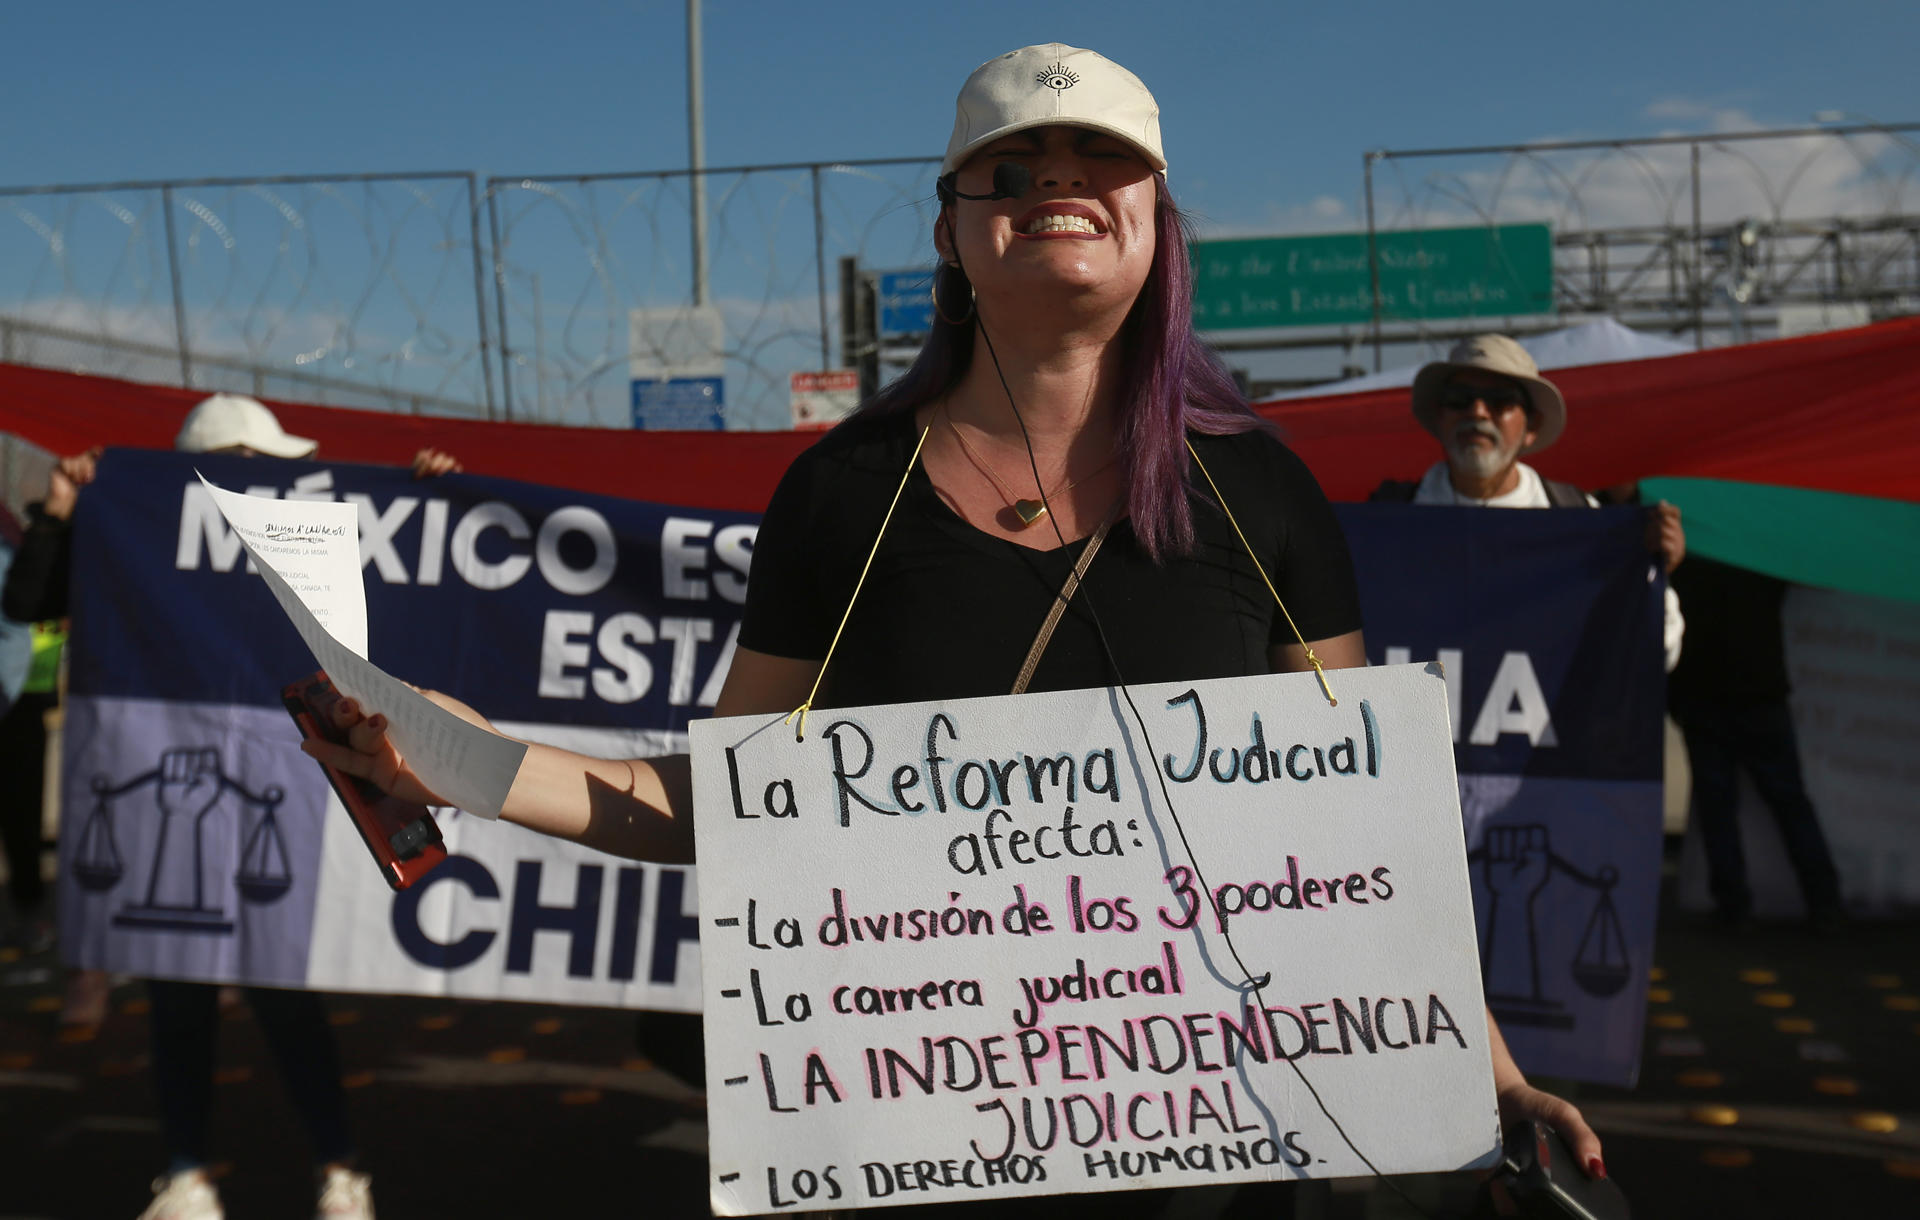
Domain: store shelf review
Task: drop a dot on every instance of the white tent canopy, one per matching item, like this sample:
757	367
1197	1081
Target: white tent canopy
1601	341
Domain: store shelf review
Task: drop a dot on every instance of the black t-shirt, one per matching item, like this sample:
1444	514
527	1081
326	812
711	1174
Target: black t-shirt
949	612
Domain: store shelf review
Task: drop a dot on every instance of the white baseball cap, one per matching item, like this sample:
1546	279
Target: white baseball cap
1053	83
226	420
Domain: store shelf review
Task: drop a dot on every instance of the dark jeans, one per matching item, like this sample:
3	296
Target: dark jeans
185	1022
1723	738
23	755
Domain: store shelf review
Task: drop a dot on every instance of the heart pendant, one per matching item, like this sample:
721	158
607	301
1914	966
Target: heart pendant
1029	511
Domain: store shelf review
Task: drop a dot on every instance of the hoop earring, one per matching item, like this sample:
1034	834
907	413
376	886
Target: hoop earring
933	290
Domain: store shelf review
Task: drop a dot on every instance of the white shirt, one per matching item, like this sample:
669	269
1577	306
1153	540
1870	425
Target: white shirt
1436	487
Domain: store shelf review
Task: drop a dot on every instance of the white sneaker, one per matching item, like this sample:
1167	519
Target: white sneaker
184	1196
344	1195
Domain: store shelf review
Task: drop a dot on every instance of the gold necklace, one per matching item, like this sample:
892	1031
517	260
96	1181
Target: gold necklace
1029	511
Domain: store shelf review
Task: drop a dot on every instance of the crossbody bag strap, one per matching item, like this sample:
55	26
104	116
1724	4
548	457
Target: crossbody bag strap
1060	602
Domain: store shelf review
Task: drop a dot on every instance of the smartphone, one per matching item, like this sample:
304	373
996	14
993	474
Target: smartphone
1539	1171
403	837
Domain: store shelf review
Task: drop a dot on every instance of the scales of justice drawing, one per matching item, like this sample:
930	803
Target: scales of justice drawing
186	788
1516	862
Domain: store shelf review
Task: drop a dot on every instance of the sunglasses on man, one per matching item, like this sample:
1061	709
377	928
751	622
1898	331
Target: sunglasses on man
1461	397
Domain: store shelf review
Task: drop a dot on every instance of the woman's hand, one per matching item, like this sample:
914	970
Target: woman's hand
640	808
1523	1101
1520	1100
369	755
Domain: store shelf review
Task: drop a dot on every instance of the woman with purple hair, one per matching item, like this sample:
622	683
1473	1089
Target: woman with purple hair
1061	405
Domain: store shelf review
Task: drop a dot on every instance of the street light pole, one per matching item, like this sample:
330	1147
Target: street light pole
696	154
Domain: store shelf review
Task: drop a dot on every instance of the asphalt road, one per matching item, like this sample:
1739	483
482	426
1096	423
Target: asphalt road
1781	1078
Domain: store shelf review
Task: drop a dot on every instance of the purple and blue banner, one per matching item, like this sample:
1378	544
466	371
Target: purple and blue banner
1548	626
199	842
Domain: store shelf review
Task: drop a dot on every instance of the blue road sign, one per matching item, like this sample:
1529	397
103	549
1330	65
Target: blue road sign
906	306
679	404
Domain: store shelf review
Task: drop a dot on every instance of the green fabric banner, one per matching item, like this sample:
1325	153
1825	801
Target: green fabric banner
1860	544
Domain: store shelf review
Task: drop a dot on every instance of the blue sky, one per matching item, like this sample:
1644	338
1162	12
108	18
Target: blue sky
1267	106
1267	109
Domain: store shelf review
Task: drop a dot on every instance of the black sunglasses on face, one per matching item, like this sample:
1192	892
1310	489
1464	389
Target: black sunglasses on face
1461	397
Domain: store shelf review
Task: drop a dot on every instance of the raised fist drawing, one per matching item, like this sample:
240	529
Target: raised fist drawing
189	787
189	781
1518	861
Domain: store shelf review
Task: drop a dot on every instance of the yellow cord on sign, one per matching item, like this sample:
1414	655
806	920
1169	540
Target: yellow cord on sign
1318	671
800	731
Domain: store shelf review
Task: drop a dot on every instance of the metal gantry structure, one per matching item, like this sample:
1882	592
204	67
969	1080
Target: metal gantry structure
1718	242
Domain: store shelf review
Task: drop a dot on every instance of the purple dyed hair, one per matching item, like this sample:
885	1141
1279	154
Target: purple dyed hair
1174	382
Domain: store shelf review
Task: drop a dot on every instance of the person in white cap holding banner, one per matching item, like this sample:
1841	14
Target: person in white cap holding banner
1061	398
184	1015
234	423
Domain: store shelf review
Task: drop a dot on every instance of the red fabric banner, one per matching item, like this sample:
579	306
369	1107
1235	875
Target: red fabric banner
68	412
1835	412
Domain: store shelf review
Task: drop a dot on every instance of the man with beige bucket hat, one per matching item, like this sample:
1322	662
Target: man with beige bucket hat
1488	405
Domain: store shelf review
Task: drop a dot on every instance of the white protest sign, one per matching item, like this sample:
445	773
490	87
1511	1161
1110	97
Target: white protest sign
962	950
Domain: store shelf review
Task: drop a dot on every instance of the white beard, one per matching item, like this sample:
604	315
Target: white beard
1475	461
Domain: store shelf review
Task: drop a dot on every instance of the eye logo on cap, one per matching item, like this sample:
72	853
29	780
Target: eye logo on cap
1057	78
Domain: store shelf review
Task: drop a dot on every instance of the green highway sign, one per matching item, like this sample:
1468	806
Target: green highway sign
1323	280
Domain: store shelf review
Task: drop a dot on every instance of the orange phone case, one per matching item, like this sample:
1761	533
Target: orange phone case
403	837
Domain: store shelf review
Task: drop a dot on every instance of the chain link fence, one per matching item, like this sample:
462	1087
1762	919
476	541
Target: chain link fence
360	291
433	292
576	255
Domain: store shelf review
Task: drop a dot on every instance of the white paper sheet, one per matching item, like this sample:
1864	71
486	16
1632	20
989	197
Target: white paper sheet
309	554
